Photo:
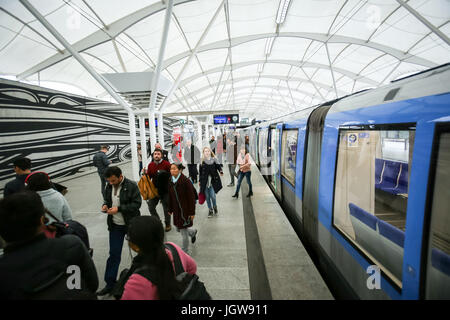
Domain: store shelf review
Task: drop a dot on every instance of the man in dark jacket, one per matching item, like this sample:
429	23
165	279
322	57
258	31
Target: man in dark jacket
192	158
102	163
122	203
231	156
34	267
159	171
22	167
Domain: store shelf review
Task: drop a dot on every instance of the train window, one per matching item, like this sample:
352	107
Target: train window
438	255
371	191
289	155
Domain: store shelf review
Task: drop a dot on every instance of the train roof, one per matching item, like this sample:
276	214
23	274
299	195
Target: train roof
430	82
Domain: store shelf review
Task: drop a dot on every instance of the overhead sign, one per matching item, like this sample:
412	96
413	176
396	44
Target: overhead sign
226	118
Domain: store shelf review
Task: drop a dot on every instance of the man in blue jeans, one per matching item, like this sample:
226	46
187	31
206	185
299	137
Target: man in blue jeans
122	203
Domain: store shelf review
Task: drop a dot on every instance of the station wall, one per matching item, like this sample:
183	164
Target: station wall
59	132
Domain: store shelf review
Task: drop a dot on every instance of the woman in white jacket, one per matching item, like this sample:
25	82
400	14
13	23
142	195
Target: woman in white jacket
53	200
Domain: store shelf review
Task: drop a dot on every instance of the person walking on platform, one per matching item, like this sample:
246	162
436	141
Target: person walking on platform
165	153
219	149
192	158
159	171
243	160
53	201
210	183
33	266
182	204
153	269
101	162
213	144
122	203
22	168
139	152
231	157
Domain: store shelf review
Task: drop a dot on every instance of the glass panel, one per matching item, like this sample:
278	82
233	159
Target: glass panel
275	143
438	260
289	156
371	193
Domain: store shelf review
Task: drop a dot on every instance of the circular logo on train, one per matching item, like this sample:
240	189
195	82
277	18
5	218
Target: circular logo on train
352	138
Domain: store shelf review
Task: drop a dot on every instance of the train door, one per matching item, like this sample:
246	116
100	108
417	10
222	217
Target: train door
312	172
435	276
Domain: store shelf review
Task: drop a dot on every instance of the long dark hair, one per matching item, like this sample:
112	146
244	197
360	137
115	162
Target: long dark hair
148	234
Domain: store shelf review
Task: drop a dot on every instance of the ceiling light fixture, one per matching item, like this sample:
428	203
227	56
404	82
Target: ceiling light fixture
282	11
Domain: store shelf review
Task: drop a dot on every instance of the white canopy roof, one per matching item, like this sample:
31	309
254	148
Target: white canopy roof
247	61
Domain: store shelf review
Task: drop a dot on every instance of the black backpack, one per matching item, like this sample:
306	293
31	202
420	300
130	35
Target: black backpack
71	227
194	288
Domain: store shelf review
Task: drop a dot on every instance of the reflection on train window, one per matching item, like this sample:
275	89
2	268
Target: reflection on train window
289	155
275	136
263	147
438	257
371	193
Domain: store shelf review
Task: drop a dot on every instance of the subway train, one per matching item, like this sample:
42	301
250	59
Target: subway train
365	182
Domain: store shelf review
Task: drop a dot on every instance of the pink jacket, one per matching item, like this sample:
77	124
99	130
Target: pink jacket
243	162
139	288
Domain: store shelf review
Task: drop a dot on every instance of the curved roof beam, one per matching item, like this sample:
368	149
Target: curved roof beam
298	64
320	37
255	93
275	87
275	77
102	35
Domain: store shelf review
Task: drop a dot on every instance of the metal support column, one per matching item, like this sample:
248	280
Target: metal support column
96	76
161	129
199	136
191	56
155	80
143	140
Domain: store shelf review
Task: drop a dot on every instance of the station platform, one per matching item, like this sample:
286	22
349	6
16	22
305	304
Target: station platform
248	251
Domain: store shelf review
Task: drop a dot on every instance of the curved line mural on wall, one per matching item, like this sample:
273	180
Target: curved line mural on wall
60	132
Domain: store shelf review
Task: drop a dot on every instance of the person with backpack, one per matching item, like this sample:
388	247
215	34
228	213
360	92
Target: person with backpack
101	162
53	200
210	183
35	267
158	171
192	158
182	204
152	271
122	203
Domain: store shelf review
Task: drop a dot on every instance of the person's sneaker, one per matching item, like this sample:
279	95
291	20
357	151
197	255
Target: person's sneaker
194	237
104	291
215	211
210	214
168	227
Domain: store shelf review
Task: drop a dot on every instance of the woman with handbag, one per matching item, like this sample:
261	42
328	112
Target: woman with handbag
182	204
243	161
210	183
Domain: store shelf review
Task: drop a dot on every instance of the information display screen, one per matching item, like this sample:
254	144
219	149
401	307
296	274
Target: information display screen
226	118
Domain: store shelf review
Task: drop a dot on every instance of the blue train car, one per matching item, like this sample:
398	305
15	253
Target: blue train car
365	182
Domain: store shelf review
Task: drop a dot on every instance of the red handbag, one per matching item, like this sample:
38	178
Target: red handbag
201	198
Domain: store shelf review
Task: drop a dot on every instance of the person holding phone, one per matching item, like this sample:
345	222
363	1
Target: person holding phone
122	203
